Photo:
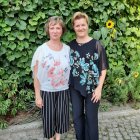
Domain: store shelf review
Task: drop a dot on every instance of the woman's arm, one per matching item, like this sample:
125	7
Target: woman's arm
96	96
38	99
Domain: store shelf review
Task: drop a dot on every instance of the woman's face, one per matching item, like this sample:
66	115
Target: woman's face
81	27
55	31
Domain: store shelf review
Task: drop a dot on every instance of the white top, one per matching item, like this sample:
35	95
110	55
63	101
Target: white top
53	67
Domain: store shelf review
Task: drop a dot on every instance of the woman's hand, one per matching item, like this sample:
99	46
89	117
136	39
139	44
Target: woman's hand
96	95
39	102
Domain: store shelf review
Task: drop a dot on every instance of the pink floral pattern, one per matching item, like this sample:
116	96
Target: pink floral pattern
56	75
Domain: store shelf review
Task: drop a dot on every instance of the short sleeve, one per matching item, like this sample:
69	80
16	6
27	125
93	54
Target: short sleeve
103	60
36	57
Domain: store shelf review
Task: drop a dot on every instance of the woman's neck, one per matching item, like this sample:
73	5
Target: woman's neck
83	39
54	42
55	45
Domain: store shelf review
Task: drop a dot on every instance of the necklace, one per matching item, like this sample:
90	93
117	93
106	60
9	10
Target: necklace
80	44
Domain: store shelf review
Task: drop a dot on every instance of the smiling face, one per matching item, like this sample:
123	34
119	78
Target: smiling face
80	27
55	31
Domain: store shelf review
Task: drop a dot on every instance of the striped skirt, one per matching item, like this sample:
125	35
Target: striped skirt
55	112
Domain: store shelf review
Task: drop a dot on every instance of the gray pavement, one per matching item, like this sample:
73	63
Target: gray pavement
115	125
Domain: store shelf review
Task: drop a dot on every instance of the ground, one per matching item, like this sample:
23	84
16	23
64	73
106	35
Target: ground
34	114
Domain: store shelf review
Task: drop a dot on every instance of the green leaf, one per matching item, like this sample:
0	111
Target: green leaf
33	38
104	32
25	44
52	12
12	46
2	50
17	54
14	111
105	17
21	25
10	21
96	35
29	8
32	22
120	6
7	29
2	24
11	57
31	28
11	37
23	16
106	3
20	36
1	13
11	14
27	34
113	3
4	3
106	41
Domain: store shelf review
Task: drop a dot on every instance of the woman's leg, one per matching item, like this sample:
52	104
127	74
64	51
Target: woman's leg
78	113
57	136
91	111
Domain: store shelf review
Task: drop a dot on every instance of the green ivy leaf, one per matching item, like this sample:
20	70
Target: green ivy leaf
21	25
2	50
104	32
4	3
120	6
32	22
106	3
96	35
106	41
12	46
20	36
10	21
11	14
33	38
17	54
11	57
1	13
2	24
113	3
31	28
7	29
29	8
23	16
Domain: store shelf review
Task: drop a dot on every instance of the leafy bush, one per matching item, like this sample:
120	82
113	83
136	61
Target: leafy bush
12	98
115	23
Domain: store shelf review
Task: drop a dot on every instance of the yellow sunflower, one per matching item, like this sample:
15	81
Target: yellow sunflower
136	74
118	80
109	24
113	33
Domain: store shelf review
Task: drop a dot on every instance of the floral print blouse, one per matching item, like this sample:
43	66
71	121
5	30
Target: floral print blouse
87	61
53	67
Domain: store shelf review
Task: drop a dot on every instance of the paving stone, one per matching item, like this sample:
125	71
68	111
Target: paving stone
113	126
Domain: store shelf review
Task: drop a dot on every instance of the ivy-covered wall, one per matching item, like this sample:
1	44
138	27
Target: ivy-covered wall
115	22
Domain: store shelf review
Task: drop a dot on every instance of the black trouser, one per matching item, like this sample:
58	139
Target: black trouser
55	112
85	116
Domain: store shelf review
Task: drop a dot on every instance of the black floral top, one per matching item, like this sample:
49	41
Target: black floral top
87	61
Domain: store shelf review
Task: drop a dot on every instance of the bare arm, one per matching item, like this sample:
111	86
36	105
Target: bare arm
96	96
38	99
